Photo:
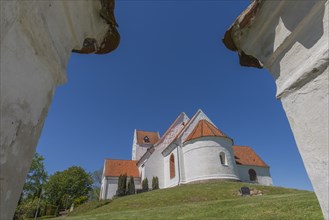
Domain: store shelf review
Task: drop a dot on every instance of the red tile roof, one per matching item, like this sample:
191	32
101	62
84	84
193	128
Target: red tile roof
152	136
118	167
245	155
205	129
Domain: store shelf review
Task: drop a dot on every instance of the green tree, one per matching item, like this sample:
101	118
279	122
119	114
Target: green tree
145	185
122	185
94	194
131	186
64	187
36	177
155	183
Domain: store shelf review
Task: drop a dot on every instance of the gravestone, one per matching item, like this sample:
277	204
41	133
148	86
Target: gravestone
245	191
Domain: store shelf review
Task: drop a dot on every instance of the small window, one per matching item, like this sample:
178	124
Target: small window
252	175
146	139
222	158
172	166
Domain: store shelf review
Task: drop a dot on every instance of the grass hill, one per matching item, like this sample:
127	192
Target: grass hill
216	200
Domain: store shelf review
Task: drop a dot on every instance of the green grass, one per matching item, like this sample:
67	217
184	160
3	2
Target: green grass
219	200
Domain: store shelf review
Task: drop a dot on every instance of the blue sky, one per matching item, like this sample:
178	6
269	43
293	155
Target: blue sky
170	60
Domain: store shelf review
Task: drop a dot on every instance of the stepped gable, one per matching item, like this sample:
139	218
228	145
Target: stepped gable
245	155
205	129
147	137
118	167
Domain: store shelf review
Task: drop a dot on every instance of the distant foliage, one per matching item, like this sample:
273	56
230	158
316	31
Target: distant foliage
145	185
66	186
36	178
80	200
131	186
122	185
94	194
155	183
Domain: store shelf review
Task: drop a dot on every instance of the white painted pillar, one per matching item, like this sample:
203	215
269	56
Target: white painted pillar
290	39
37	38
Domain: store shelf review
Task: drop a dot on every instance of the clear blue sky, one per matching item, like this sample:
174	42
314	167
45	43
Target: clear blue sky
170	59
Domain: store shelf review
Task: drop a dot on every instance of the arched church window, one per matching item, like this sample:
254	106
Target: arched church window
172	166
222	158
252	175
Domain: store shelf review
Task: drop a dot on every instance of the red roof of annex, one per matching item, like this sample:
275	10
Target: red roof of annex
120	167
245	155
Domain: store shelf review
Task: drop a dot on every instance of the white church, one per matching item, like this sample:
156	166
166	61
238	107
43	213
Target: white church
191	150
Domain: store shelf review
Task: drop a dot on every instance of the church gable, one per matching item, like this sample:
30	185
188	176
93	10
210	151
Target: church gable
147	137
192	123
205	129
173	130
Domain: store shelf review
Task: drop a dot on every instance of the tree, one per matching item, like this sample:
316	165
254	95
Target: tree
122	185
32	189
97	177
66	186
97	182
131	186
35	178
155	183
145	185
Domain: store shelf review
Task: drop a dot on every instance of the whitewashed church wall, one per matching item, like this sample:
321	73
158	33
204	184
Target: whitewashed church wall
181	164
102	191
154	167
111	186
263	174
133	151
206	152
170	182
140	151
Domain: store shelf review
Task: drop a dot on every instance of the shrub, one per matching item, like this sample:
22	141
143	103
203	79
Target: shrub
145	185
122	185
155	183
78	201
131	186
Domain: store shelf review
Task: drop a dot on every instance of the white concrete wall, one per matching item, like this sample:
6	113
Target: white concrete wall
263	174
201	159
154	167
170	182
111	186
290	38
37	38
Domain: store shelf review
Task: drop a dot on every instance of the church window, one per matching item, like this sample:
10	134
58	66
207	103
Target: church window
172	166
222	158
146	139
252	175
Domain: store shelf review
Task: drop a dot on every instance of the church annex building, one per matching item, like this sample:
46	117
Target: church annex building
191	150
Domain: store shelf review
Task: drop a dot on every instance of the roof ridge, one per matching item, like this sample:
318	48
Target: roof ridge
119	159
147	131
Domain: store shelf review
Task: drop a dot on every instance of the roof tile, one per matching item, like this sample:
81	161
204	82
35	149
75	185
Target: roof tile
245	155
152	136
205	129
118	167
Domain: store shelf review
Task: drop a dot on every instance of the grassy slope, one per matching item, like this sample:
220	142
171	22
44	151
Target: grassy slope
209	200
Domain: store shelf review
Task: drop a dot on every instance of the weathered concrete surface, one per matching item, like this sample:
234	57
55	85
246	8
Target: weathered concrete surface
37	38
290	39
